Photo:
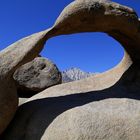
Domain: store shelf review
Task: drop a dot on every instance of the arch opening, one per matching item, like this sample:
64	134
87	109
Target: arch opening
90	52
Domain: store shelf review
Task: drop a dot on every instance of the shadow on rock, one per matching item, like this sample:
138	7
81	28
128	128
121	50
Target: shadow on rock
35	116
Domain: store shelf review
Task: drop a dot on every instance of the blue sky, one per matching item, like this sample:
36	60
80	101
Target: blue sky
92	52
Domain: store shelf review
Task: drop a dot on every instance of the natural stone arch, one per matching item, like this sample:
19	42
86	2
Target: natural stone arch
82	16
118	21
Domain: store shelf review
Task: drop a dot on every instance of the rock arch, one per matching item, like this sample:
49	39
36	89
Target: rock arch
111	93
116	20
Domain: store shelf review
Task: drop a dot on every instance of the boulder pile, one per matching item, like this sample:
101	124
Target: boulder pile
103	107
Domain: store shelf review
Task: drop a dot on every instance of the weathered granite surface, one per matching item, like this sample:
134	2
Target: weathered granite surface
35	76
106	107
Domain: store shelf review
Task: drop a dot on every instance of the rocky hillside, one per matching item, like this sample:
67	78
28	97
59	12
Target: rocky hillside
74	74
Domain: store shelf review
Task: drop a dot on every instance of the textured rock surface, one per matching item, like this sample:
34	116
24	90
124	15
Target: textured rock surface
26	49
105	107
118	21
35	76
74	74
83	109
22	101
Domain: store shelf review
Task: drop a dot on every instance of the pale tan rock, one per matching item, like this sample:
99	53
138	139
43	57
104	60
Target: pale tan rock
10	59
22	101
105	107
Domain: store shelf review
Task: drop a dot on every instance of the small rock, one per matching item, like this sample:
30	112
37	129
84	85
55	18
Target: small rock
35	76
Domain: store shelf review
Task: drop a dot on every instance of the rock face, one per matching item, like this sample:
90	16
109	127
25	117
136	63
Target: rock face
27	49
105	107
74	74
35	76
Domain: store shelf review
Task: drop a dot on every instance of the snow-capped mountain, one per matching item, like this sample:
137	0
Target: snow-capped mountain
74	74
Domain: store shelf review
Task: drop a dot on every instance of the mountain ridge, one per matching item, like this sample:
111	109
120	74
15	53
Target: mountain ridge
74	74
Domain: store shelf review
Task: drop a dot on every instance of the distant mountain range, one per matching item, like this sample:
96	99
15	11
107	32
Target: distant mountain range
74	74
